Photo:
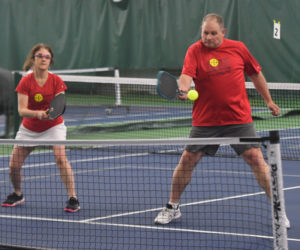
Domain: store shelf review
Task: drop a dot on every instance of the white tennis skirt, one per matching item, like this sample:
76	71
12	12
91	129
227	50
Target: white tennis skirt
58	132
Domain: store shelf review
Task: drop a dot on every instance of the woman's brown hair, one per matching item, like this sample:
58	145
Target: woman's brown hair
30	58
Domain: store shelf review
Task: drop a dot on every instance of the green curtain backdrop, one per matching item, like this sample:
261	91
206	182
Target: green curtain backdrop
146	34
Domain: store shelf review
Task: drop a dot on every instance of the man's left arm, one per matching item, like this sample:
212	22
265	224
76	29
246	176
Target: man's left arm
261	86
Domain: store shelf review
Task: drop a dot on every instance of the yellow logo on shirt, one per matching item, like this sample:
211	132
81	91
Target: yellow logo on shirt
214	62
38	97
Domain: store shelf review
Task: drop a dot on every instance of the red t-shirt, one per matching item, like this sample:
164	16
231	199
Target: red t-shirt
219	78
39	98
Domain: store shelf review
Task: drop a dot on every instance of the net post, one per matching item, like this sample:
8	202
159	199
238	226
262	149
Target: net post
118	89
277	196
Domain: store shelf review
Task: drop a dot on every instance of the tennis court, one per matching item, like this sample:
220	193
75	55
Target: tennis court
123	185
121	190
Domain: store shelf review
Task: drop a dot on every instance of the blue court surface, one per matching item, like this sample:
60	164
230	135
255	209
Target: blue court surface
87	115
121	193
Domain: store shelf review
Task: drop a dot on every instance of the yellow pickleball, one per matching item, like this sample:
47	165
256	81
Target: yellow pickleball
193	95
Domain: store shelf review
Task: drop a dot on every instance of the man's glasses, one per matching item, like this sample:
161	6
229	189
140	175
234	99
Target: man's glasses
46	56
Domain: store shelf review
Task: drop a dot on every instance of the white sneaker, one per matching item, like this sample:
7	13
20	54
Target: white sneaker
167	214
286	222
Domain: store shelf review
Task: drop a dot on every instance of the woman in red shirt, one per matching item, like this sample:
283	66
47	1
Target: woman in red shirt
35	92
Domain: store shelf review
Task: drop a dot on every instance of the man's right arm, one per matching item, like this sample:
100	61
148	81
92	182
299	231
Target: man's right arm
184	82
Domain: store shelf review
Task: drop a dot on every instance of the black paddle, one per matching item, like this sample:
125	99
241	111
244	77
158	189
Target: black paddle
57	106
167	86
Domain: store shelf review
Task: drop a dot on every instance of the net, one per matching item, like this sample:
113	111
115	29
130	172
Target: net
88	71
129	108
121	186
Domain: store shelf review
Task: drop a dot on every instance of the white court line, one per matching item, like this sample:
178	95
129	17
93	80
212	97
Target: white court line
121	167
291	188
79	160
75	172
184	205
125	167
135	226
138	226
132	226
91	221
149	210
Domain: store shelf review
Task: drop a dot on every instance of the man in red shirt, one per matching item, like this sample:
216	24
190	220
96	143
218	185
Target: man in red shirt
217	66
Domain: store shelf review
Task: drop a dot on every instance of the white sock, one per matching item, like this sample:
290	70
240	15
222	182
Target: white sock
174	205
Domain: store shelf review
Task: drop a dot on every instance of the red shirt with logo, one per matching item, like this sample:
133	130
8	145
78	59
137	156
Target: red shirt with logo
219	78
39	98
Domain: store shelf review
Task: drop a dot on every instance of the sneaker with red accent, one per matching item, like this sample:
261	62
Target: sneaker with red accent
13	200
72	205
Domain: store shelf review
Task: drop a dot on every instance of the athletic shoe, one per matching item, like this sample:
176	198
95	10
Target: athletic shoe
13	200
168	214
72	205
286	222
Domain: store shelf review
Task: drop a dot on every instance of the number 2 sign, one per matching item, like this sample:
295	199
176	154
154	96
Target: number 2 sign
276	30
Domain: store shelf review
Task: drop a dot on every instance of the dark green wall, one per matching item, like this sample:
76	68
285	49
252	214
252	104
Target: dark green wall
146	34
